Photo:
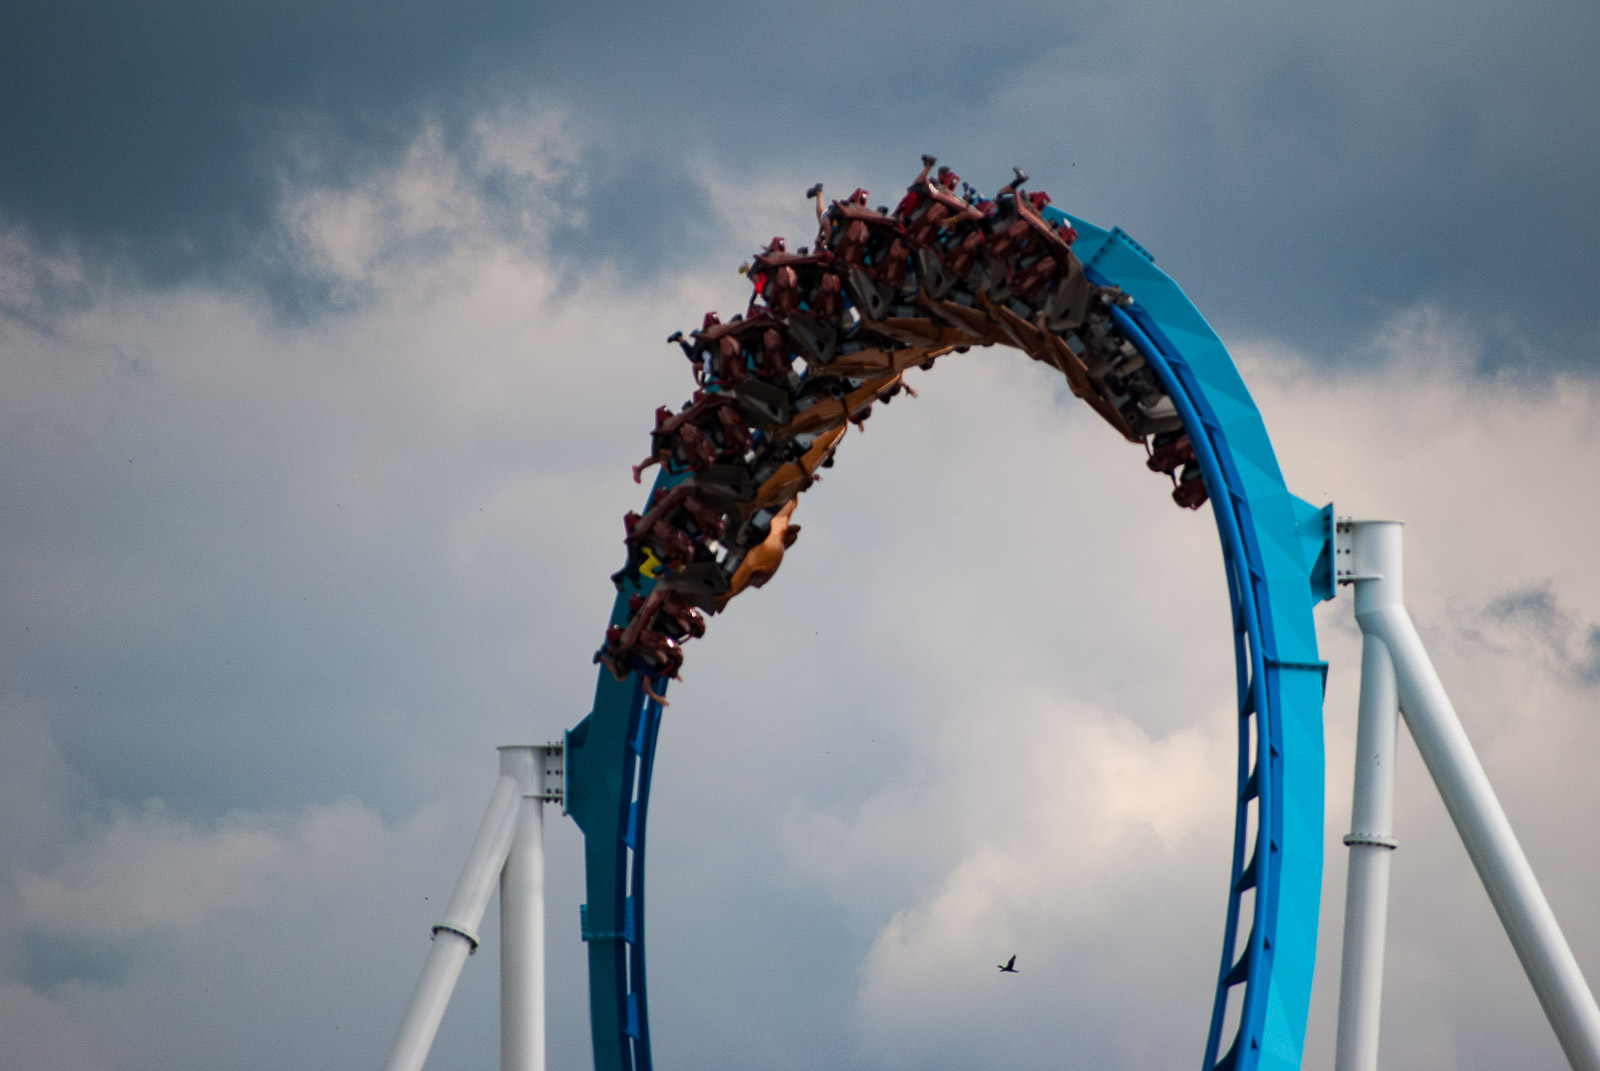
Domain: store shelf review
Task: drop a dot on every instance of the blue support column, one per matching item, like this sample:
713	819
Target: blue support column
610	755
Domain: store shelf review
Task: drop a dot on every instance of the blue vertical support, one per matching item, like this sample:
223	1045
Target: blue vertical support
610	755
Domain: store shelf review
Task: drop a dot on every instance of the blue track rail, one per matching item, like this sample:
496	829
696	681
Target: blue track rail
1276	553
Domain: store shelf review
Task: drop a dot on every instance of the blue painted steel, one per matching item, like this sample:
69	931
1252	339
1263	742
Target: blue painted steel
1275	551
610	755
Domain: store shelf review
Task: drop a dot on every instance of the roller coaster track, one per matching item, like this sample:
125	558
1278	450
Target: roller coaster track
829	332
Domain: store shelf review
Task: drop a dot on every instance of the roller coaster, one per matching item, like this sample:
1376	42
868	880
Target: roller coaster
829	333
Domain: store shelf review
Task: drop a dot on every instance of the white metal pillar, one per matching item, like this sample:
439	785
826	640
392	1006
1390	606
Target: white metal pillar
456	935
508	850
1371	839
1468	797
538	773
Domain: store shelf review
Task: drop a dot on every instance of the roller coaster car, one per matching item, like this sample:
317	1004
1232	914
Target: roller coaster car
931	206
942	229
709	429
1191	490
1121	374
832	409
909	347
761	561
783	279
745	347
697	353
763	405
668	615
958	251
1039	258
782	480
725	486
683	506
637	647
675	528
872	252
815	338
699	583
1170	451
695	347
670	544
1146	407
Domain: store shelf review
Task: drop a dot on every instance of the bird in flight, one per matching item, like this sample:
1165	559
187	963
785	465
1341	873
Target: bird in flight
1010	966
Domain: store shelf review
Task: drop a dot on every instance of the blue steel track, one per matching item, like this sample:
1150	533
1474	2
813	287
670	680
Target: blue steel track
1276	552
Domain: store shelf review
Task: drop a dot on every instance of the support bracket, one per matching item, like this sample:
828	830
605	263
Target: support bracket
551	764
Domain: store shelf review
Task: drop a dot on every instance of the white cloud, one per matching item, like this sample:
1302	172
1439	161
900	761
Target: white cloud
150	870
160	941
425	219
1059	834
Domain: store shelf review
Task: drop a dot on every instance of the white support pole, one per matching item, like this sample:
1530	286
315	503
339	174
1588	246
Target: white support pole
1524	912
456	937
1371	839
522	1043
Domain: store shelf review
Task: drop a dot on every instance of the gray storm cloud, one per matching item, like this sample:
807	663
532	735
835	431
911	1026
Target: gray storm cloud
1328	165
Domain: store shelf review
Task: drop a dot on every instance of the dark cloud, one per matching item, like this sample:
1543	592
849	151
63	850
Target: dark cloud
1589	670
1303	172
149	121
1538	611
1534	604
53	961
642	214
159	131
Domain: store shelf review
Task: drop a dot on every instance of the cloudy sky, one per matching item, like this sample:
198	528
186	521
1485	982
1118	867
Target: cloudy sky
328	333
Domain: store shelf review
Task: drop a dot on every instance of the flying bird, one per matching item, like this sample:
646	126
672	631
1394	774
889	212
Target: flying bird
1010	966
